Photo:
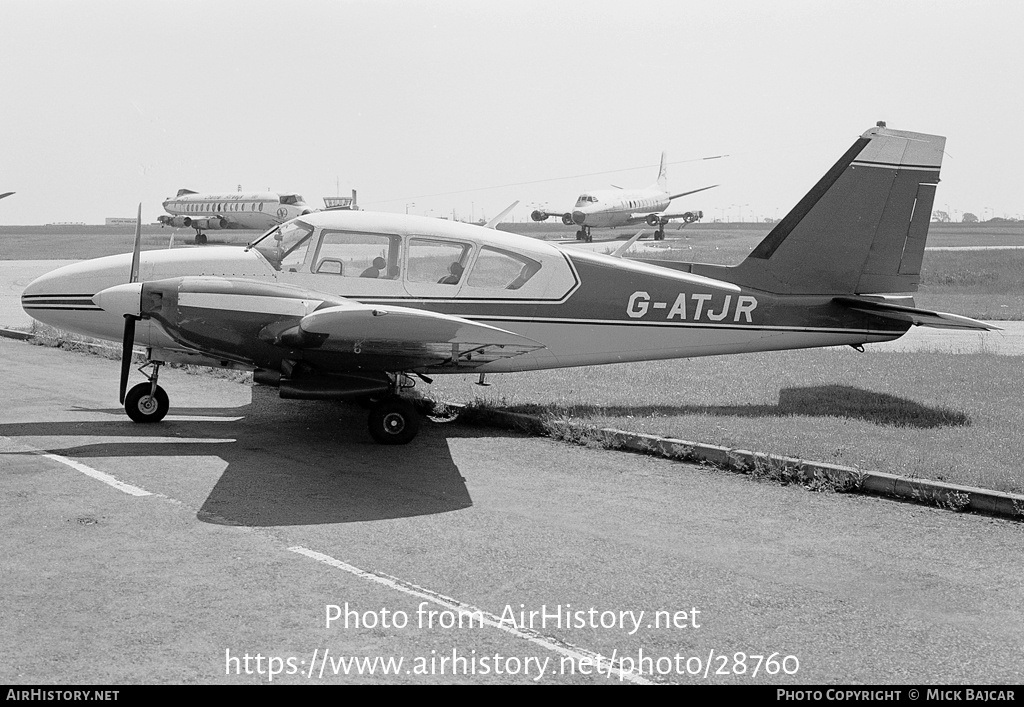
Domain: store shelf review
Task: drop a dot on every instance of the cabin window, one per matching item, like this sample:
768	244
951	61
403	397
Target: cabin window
370	255
285	246
501	270
442	262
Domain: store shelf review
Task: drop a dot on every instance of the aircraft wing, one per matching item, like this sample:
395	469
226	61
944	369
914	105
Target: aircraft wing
693	191
918	317
422	337
239	319
656	219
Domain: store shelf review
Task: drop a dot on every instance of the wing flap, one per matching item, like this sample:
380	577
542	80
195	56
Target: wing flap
918	317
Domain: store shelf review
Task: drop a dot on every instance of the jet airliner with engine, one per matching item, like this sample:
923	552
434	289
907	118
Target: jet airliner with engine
249	211
348	304
611	208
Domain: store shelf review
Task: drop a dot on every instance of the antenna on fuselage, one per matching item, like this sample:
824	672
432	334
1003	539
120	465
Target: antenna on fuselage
497	219
618	252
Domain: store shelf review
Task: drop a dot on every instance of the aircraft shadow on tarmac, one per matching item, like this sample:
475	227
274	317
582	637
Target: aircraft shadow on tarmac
812	401
288	462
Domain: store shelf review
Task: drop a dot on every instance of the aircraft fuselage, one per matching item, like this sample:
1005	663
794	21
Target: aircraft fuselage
584	308
613	208
258	211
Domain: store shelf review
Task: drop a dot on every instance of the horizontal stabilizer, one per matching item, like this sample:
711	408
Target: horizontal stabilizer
918	317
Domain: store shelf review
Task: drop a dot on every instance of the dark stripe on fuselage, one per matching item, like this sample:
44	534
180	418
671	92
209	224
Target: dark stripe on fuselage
778	234
60	302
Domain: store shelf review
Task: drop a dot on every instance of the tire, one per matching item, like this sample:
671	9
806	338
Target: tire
143	407
393	421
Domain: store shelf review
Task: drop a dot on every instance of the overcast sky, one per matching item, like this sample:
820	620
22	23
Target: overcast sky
436	105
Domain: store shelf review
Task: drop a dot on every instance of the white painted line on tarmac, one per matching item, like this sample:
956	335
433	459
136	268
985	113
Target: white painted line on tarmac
98	475
603	664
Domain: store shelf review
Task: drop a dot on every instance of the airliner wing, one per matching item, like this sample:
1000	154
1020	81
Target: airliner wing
656	219
694	191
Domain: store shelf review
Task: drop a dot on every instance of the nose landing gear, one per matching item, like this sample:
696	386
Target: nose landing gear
147	402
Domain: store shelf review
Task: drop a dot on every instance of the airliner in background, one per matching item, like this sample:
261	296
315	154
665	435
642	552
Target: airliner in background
258	211
610	208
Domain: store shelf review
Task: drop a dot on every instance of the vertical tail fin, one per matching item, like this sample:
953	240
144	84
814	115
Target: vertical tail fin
662	174
861	229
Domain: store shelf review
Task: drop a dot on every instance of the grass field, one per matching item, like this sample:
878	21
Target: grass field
955	418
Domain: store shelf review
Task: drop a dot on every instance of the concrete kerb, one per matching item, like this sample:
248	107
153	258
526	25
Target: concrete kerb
15	334
814	475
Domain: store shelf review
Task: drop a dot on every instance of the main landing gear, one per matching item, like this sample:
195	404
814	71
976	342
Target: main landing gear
200	238
584	234
393	420
659	235
147	402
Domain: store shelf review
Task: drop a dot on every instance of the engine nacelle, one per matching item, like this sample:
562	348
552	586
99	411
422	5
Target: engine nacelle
207	224
567	220
174	221
539	216
654	220
692	216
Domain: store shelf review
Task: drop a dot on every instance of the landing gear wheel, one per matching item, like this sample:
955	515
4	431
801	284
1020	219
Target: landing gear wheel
142	406
659	235
200	239
393	421
580	235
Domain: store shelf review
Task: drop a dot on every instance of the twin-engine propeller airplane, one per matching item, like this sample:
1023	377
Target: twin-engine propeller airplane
611	208
249	211
348	304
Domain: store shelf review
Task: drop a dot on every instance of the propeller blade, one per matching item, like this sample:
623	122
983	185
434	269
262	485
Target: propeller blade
126	353
138	247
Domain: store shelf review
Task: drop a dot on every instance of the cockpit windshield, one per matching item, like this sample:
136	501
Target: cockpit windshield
285	246
292	199
586	199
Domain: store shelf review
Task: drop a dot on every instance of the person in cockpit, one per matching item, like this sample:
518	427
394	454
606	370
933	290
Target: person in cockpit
456	271
374	270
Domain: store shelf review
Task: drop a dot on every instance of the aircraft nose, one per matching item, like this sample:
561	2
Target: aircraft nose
579	218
